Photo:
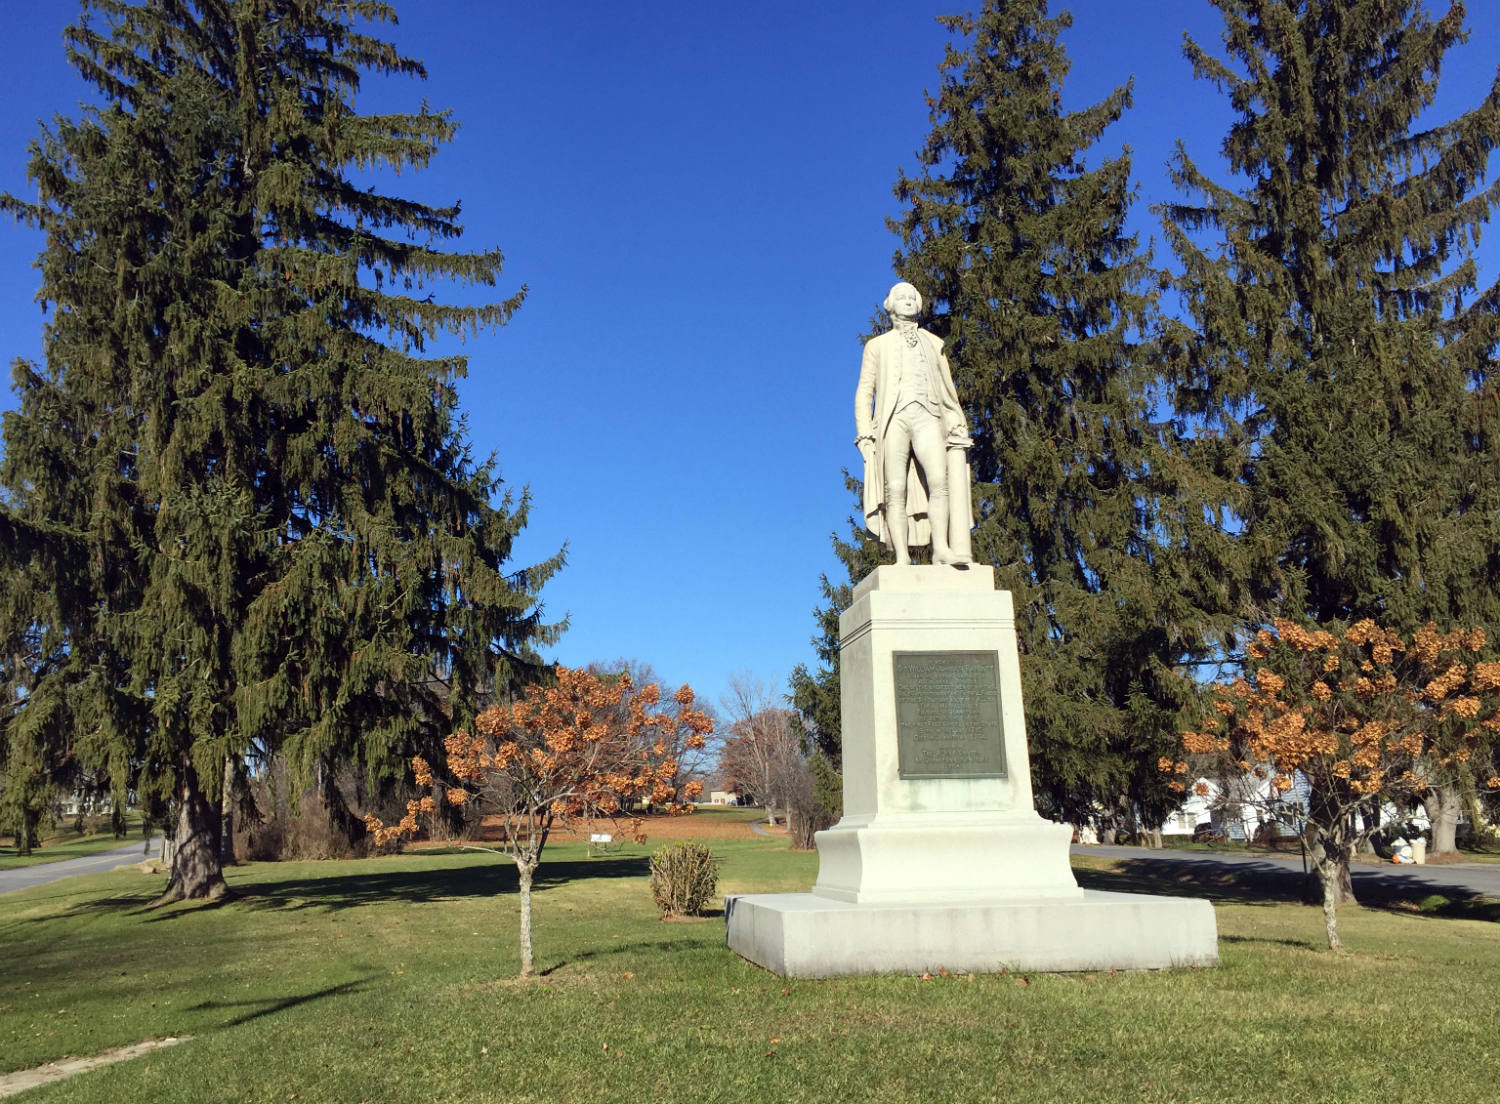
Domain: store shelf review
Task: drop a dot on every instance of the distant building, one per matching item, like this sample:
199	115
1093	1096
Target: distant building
723	797
1249	811
1191	813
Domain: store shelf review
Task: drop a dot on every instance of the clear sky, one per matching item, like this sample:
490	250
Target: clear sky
695	195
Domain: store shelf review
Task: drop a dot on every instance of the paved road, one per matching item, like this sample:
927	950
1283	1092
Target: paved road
27	876
1481	878
1474	877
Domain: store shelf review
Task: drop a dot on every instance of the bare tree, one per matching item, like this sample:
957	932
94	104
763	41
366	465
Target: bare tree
762	752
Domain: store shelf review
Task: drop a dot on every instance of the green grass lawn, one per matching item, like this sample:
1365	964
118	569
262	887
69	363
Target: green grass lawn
393	979
65	843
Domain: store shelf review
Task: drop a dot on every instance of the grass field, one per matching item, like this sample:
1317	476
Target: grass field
393	979
65	843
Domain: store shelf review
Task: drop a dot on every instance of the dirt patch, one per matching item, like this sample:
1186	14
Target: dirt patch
658	829
21	1080
146	866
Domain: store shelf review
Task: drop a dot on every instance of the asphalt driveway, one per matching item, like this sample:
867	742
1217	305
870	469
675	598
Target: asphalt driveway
27	876
1480	878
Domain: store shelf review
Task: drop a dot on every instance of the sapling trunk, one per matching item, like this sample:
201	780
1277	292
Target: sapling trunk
1328	874
524	870
1331	861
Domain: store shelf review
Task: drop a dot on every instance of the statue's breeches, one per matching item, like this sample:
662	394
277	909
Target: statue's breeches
914	432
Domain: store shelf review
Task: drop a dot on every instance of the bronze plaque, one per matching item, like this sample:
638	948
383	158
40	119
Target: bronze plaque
948	715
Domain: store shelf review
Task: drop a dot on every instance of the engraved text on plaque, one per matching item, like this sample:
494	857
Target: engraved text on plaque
948	715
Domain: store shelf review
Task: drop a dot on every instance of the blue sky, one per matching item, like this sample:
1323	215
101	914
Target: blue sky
695	195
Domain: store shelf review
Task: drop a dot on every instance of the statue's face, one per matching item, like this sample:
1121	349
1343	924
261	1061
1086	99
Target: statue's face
906	301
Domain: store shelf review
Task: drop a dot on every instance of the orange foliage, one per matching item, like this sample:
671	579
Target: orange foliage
588	747
1400	708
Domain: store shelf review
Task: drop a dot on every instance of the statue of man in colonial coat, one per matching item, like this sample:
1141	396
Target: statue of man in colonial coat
914	438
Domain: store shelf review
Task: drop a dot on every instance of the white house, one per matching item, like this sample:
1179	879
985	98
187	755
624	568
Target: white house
1199	810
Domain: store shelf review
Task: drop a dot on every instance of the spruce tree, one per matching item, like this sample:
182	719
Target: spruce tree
282	538
1339	355
815	691
1020	250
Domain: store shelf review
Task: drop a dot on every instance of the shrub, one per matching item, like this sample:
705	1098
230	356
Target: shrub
684	877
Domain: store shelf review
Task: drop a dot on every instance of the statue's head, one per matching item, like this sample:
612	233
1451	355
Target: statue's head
903	301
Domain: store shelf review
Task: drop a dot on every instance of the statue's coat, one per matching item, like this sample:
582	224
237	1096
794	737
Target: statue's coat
879	386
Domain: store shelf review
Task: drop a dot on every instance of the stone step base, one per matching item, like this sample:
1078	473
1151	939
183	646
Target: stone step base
945	858
802	935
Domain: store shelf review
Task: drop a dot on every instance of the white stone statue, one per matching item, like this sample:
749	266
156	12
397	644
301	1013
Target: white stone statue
914	438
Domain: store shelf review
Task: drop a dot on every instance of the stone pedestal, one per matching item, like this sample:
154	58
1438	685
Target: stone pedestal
940	859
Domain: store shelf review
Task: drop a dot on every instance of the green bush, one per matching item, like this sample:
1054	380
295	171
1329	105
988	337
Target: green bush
683	878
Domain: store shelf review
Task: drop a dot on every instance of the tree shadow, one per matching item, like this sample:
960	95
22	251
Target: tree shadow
1240	883
1268	883
350	890
338	890
1298	944
270	1005
634	947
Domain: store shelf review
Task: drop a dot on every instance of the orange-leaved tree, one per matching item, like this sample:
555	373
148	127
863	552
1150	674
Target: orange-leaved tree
1362	715
585	748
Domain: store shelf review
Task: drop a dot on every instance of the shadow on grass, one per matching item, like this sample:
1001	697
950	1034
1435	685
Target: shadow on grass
1269	883
1267	941
635	947
270	1005
351	888
1239	883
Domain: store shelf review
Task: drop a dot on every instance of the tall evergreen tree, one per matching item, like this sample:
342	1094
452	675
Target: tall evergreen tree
1020	249
257	473
1340	354
815	690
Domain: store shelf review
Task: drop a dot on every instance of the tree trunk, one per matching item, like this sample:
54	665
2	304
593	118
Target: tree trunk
1130	825
1330	874
196	871
26	836
1318	852
1442	803
524	871
340	816
226	814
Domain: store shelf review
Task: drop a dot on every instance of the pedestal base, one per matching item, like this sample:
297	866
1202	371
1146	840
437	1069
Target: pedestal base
944	858
940	860
807	936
